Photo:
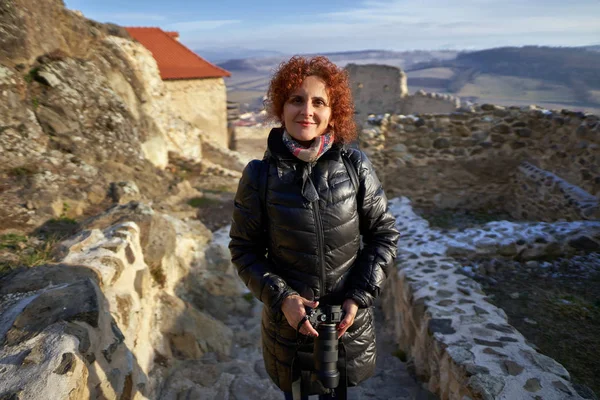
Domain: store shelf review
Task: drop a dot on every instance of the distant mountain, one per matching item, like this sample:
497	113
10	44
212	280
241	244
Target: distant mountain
567	75
402	59
593	48
253	64
556	77
562	65
218	55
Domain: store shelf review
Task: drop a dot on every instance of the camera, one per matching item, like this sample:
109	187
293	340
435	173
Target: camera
325	353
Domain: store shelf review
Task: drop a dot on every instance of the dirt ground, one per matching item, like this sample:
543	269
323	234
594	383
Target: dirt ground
558	311
217	207
252	141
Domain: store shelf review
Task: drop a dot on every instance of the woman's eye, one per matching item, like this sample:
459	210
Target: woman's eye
319	103
296	100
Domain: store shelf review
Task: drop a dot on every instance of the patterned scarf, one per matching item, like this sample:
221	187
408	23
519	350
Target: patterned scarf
312	153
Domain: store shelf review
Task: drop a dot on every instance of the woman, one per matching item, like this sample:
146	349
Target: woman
298	221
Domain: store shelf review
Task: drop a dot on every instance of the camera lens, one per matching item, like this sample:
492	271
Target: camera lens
326	356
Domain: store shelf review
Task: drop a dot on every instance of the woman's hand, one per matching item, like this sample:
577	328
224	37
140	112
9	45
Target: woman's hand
350	307
293	307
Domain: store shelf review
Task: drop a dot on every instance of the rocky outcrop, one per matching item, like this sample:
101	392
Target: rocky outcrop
81	106
106	321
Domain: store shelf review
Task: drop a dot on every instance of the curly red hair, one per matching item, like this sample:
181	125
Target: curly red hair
290	74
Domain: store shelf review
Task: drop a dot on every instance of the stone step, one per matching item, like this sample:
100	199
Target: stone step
244	377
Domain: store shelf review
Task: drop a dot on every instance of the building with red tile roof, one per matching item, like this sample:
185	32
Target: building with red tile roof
196	86
175	61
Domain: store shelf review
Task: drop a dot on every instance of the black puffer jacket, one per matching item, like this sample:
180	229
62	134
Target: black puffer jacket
313	247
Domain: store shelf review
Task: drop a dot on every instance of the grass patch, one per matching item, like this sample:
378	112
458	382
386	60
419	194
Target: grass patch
40	254
571	306
199	202
23	170
566	311
11	241
24	254
62	220
32	75
249	297
217	190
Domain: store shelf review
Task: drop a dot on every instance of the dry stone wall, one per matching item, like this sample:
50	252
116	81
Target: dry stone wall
461	345
471	160
422	102
540	193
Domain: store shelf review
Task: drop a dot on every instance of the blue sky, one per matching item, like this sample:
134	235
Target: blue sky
312	26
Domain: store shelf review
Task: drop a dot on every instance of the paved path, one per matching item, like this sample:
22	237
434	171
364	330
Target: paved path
243	377
392	380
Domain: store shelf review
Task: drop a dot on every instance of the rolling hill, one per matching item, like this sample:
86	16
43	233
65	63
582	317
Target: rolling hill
552	77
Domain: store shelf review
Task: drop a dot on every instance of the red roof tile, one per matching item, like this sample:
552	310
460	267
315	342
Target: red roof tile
173	34
175	61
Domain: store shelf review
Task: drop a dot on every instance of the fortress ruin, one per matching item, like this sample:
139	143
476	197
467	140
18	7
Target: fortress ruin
381	89
141	301
538	166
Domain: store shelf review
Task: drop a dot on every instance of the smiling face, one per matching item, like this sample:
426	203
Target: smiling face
307	111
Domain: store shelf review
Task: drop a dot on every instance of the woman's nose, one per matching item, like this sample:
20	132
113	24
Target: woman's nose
307	109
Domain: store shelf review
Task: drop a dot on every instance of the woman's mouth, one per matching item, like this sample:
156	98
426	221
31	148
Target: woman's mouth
305	124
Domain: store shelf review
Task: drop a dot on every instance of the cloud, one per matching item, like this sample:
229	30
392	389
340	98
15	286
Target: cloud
424	24
202	25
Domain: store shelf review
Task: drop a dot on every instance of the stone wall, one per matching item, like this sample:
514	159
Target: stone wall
462	346
541	195
422	102
202	102
379	89
376	88
470	160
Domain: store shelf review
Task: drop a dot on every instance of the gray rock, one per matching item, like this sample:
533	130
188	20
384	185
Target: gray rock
532	385
441	143
441	325
584	243
56	305
562	387
548	364
489	343
512	368
488	387
248	388
459	354
124	192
